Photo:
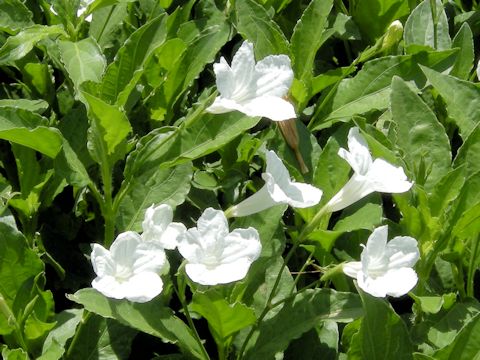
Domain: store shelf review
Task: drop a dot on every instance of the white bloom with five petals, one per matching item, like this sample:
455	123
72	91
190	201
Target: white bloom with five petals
216	256
159	229
278	189
130	269
254	89
369	175
385	268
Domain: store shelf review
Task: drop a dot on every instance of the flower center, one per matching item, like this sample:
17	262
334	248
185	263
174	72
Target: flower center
123	273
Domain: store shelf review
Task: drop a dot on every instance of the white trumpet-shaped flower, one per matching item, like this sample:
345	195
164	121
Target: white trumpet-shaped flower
216	256
159	229
369	175
385	268
83	7
254	89
278	189
130	269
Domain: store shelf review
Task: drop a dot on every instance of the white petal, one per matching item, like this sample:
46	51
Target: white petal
221	274
142	287
255	203
374	286
303	195
157	218
355	189
170	237
242	243
376	243
275	190
124	246
224	78
400	281
272	107
276	169
387	178
109	287
274	76
148	257
213	223
102	261
190	245
243	68
352	268
402	251
222	105
358	155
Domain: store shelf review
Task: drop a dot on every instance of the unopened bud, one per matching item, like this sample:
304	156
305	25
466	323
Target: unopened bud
393	35
290	134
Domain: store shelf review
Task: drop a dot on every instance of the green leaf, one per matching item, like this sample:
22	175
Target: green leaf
17	46
469	153
224	319
83	61
14	16
123	74
469	223
29	129
200	134
100	338
107	23
307	38
254	23
465	345
322	339
109	127
151	318
462	99
15	354
419	134
464	63
156	186
446	191
428	27
96	5
370	89
37	106
18	263
365	217
382	334
65	328
384	12
299	315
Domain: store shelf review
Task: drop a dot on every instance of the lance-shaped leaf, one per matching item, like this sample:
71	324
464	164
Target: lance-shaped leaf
122	75
419	134
14	16
19	45
83	61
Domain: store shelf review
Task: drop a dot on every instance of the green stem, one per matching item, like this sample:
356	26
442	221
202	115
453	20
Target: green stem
302	269
85	317
306	230
471	266
12	321
181	297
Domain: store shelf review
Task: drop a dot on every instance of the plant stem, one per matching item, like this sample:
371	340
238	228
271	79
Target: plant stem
10	316
85	317
181	297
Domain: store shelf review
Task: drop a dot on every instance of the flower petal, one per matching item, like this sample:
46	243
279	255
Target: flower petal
352	268
402	251
102	261
302	195
148	257
242	243
170	237
400	281
190	246
274	76
255	203
243	68
124	246
272	107
221	274
109	287
224	78
213	223
276	169
142	287
358	155
355	189
385	177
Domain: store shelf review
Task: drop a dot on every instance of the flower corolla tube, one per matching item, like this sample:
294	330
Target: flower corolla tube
255	89
130	270
369	175
278	189
385	268
213	254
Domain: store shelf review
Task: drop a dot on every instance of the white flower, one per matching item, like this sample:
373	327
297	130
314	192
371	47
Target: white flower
386	268
159	229
83	7
254	89
369	176
278	189
216	256
130	269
